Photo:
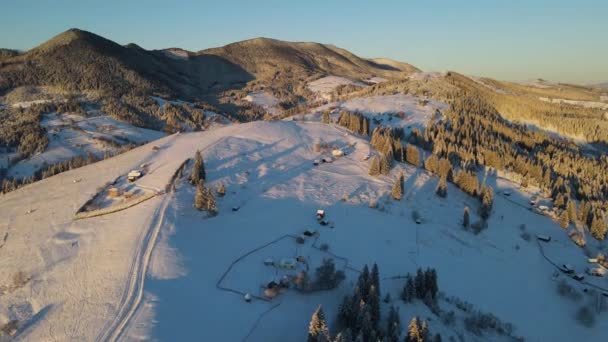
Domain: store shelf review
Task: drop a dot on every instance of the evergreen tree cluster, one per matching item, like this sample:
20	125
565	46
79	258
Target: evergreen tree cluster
359	317
203	199
474	134
422	286
355	122
487	201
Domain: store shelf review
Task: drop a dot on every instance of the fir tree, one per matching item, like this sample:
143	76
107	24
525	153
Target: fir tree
198	169
374	168
409	289
199	197
412	155
420	284
572	211
465	217
221	190
413	331
317	329
325	117
393	325
564	220
442	188
397	191
385	163
598	227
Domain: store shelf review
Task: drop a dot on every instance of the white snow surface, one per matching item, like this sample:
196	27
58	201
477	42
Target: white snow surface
264	99
327	84
80	269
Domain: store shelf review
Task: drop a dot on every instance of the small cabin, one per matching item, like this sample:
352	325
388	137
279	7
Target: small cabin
418	221
596	271
323	222
592	260
506	193
301	258
543	207
269	262
337	153
133	175
316	162
301	239
320	214
288	263
544	238
236	208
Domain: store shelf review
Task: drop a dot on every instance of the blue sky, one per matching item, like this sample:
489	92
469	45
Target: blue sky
505	39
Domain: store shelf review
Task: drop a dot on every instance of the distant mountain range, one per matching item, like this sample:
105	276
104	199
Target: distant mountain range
79	60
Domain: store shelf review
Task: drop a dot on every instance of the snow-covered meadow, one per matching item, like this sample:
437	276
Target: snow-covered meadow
90	278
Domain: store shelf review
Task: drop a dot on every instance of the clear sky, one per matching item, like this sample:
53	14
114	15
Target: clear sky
505	39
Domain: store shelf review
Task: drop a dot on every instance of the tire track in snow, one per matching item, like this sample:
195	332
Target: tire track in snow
133	294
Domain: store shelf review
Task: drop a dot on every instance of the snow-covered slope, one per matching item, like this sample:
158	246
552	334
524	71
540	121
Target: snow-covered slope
90	278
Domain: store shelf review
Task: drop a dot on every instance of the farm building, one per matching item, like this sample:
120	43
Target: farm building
134	175
320	214
269	262
596	271
337	153
288	263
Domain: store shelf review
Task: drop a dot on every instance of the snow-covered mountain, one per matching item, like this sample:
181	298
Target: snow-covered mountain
163	270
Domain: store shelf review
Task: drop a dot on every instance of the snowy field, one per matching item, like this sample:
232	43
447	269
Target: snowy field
325	85
265	100
71	135
402	111
95	278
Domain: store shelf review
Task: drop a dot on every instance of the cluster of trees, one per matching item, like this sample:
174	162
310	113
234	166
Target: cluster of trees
474	134
359	318
387	141
20	129
397	191
355	122
422	286
203	199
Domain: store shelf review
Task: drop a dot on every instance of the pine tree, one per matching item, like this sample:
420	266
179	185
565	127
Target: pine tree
409	289
564	220
325	117
317	329
221	190
374	304
572	211
374	168
375	278
397	191
465	217
393	325
412	155
198	169
420	284
386	161
598	227
199	197
442	188
413	331
210	205
432	163
424	331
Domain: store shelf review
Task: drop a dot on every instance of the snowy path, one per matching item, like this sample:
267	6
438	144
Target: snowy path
134	291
